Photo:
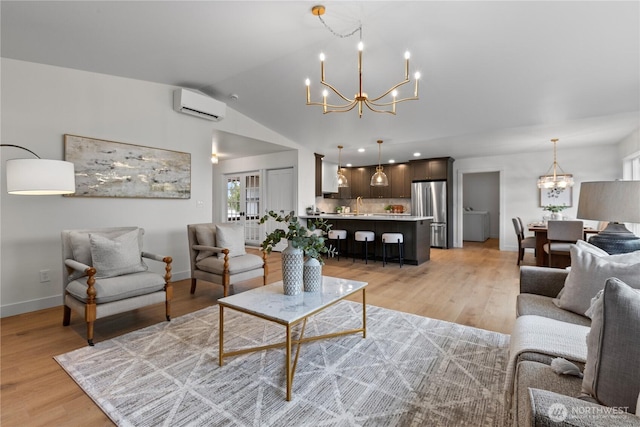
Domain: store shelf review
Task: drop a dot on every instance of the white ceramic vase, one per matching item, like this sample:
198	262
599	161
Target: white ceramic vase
312	276
556	216
292	269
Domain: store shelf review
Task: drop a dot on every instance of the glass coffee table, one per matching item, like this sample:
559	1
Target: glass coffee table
269	303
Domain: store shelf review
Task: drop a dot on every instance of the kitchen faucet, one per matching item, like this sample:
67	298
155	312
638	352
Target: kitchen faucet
358	204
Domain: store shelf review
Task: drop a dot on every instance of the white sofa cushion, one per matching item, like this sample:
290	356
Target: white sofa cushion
237	264
118	288
588	274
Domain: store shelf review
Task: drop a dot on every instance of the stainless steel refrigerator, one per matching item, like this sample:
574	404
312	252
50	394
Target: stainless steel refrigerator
429	198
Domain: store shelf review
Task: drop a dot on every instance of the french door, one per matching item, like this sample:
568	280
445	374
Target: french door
243	204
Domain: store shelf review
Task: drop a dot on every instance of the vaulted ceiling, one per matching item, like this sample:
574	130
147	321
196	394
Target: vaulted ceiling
497	77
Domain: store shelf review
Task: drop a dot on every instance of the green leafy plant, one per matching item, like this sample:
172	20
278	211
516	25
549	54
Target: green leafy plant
304	238
554	208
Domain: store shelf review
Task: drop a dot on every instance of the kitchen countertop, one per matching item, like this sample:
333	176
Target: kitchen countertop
370	217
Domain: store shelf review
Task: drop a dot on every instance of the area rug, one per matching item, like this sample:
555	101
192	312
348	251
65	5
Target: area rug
408	371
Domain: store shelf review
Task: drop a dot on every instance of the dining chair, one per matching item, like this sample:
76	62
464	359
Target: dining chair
560	236
523	242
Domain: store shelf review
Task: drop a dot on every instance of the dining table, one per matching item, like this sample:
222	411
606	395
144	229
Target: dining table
540	232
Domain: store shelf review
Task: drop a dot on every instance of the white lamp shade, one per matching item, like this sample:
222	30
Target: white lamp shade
40	177
615	201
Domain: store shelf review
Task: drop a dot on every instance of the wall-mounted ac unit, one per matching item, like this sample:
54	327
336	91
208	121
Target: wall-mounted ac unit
199	105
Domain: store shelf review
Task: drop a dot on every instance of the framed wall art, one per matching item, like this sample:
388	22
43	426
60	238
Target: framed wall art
556	196
115	169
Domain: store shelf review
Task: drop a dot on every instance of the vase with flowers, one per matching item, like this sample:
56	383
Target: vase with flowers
555	211
301	241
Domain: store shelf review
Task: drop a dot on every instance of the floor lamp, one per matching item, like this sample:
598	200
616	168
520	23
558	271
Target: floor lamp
616	202
38	176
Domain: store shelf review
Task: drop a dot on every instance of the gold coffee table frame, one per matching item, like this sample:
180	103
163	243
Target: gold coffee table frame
228	302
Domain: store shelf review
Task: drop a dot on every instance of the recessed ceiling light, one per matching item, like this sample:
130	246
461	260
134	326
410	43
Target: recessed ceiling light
360	150
348	165
416	154
391	161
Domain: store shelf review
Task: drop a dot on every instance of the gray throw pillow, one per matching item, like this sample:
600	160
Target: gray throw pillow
588	274
206	237
612	371
115	256
230	236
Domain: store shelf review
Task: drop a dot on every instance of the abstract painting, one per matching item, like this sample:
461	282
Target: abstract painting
114	169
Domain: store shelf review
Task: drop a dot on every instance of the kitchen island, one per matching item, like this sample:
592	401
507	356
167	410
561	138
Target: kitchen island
415	229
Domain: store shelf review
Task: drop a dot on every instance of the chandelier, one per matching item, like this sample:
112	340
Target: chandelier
360	98
379	179
342	180
556	180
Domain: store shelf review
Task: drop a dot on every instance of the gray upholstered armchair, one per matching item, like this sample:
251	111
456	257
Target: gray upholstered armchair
217	254
104	274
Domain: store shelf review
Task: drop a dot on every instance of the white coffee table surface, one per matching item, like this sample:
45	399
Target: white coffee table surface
270	302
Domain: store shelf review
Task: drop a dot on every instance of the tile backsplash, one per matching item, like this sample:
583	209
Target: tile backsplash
368	205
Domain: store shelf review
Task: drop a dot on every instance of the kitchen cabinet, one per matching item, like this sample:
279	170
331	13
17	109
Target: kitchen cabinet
360	182
318	174
429	169
399	180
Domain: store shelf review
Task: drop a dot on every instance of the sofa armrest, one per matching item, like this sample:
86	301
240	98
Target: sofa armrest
557	410
542	280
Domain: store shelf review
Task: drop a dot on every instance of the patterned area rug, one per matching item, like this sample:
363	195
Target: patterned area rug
409	371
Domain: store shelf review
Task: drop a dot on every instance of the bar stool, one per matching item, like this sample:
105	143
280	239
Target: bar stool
338	236
365	237
390	239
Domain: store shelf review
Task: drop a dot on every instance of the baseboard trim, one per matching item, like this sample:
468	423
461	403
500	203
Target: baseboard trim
29	306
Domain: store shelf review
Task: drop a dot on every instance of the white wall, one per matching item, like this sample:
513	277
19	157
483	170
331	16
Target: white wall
630	145
518	175
40	104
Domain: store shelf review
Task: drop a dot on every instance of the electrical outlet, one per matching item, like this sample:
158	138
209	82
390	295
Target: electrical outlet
200	204
44	276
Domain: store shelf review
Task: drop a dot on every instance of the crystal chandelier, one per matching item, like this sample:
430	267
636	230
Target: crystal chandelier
556	180
360	98
379	179
342	180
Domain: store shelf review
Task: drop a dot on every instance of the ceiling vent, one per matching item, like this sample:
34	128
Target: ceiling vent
199	105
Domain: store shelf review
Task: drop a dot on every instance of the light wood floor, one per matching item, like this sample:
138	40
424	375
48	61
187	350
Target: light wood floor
475	286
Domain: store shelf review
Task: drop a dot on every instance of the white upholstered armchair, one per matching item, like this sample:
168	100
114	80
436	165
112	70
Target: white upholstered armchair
104	274
217	254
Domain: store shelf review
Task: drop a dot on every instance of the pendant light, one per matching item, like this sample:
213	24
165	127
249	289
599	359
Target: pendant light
379	179
560	180
342	180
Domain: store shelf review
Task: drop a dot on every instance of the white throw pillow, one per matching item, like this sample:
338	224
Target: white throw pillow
586	246
115	256
230	236
589	273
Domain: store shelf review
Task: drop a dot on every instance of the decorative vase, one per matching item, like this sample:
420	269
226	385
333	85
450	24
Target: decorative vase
556	216
292	269
312	276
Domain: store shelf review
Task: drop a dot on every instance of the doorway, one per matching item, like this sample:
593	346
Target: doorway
481	206
243	204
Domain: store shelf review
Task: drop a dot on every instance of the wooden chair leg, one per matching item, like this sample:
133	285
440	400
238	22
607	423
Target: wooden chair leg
66	317
193	285
168	297
90	333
